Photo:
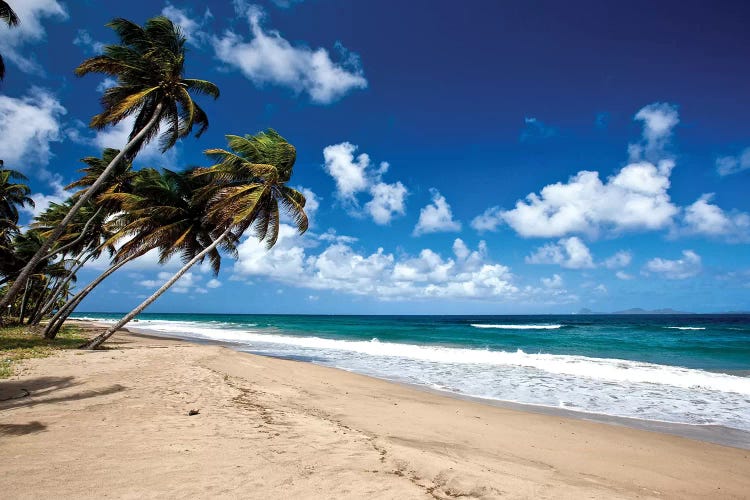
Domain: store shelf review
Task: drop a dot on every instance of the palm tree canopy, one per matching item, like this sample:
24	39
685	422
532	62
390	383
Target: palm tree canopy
149	64
7	14
88	230
119	180
248	184
12	195
11	19
162	212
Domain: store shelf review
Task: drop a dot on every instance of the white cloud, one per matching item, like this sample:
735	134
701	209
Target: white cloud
619	260
535	130
490	220
388	200
728	165
436	217
635	198
268	58
105	84
570	253
29	31
191	28
27	127
705	218
659	119
686	267
555	281
622	275
213	283
188	283
117	135
41	200
356	175
84	40
380	275
350	174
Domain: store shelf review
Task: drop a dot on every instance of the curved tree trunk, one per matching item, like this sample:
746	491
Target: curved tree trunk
25	297
80	236
85	197
57	320
97	341
60	286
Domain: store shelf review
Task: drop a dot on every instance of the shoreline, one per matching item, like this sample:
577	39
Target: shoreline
710	433
116	421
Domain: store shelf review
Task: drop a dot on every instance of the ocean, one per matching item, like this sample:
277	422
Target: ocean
684	369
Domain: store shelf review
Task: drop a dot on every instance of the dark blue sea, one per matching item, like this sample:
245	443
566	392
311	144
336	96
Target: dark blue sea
691	369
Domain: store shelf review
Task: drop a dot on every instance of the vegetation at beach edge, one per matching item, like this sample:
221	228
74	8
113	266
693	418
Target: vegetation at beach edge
23	342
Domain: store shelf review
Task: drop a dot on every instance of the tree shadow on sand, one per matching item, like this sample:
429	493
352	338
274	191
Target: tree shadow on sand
37	391
21	429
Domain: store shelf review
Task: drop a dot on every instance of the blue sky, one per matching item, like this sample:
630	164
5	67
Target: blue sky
485	157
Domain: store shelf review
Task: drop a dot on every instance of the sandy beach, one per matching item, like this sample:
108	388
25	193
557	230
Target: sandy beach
115	423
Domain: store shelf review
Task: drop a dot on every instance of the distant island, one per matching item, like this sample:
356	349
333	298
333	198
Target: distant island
639	310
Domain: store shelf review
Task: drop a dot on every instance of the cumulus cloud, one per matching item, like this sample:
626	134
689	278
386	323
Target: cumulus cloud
635	198
268	58
188	283
467	274
57	194
29	31
116	137
686	267
436	217
659	120
728	165
536	130
622	275
192	27
388	200
351	175
28	125
570	253
705	218
619	260
555	281
85	41
356	175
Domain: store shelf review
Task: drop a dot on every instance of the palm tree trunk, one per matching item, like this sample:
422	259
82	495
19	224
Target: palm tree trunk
60	286
57	320
85	197
97	341
22	312
80	236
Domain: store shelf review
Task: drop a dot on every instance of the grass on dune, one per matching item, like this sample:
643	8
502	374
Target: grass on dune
22	342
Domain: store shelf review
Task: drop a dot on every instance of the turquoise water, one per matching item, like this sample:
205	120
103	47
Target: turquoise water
677	368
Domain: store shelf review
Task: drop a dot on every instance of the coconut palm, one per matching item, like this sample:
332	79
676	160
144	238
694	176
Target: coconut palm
12	196
159	213
149	65
11	19
243	189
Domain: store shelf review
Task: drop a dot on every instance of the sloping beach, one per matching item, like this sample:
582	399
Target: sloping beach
115	423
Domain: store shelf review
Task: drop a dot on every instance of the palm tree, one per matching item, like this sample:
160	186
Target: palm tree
244	189
161	213
149	65
11	19
12	196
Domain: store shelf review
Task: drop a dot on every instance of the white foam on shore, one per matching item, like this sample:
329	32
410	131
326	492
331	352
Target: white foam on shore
685	327
598	385
518	327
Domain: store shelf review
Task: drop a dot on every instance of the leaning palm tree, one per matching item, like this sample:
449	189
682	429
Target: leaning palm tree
12	196
149	65
243	189
160	212
11	19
